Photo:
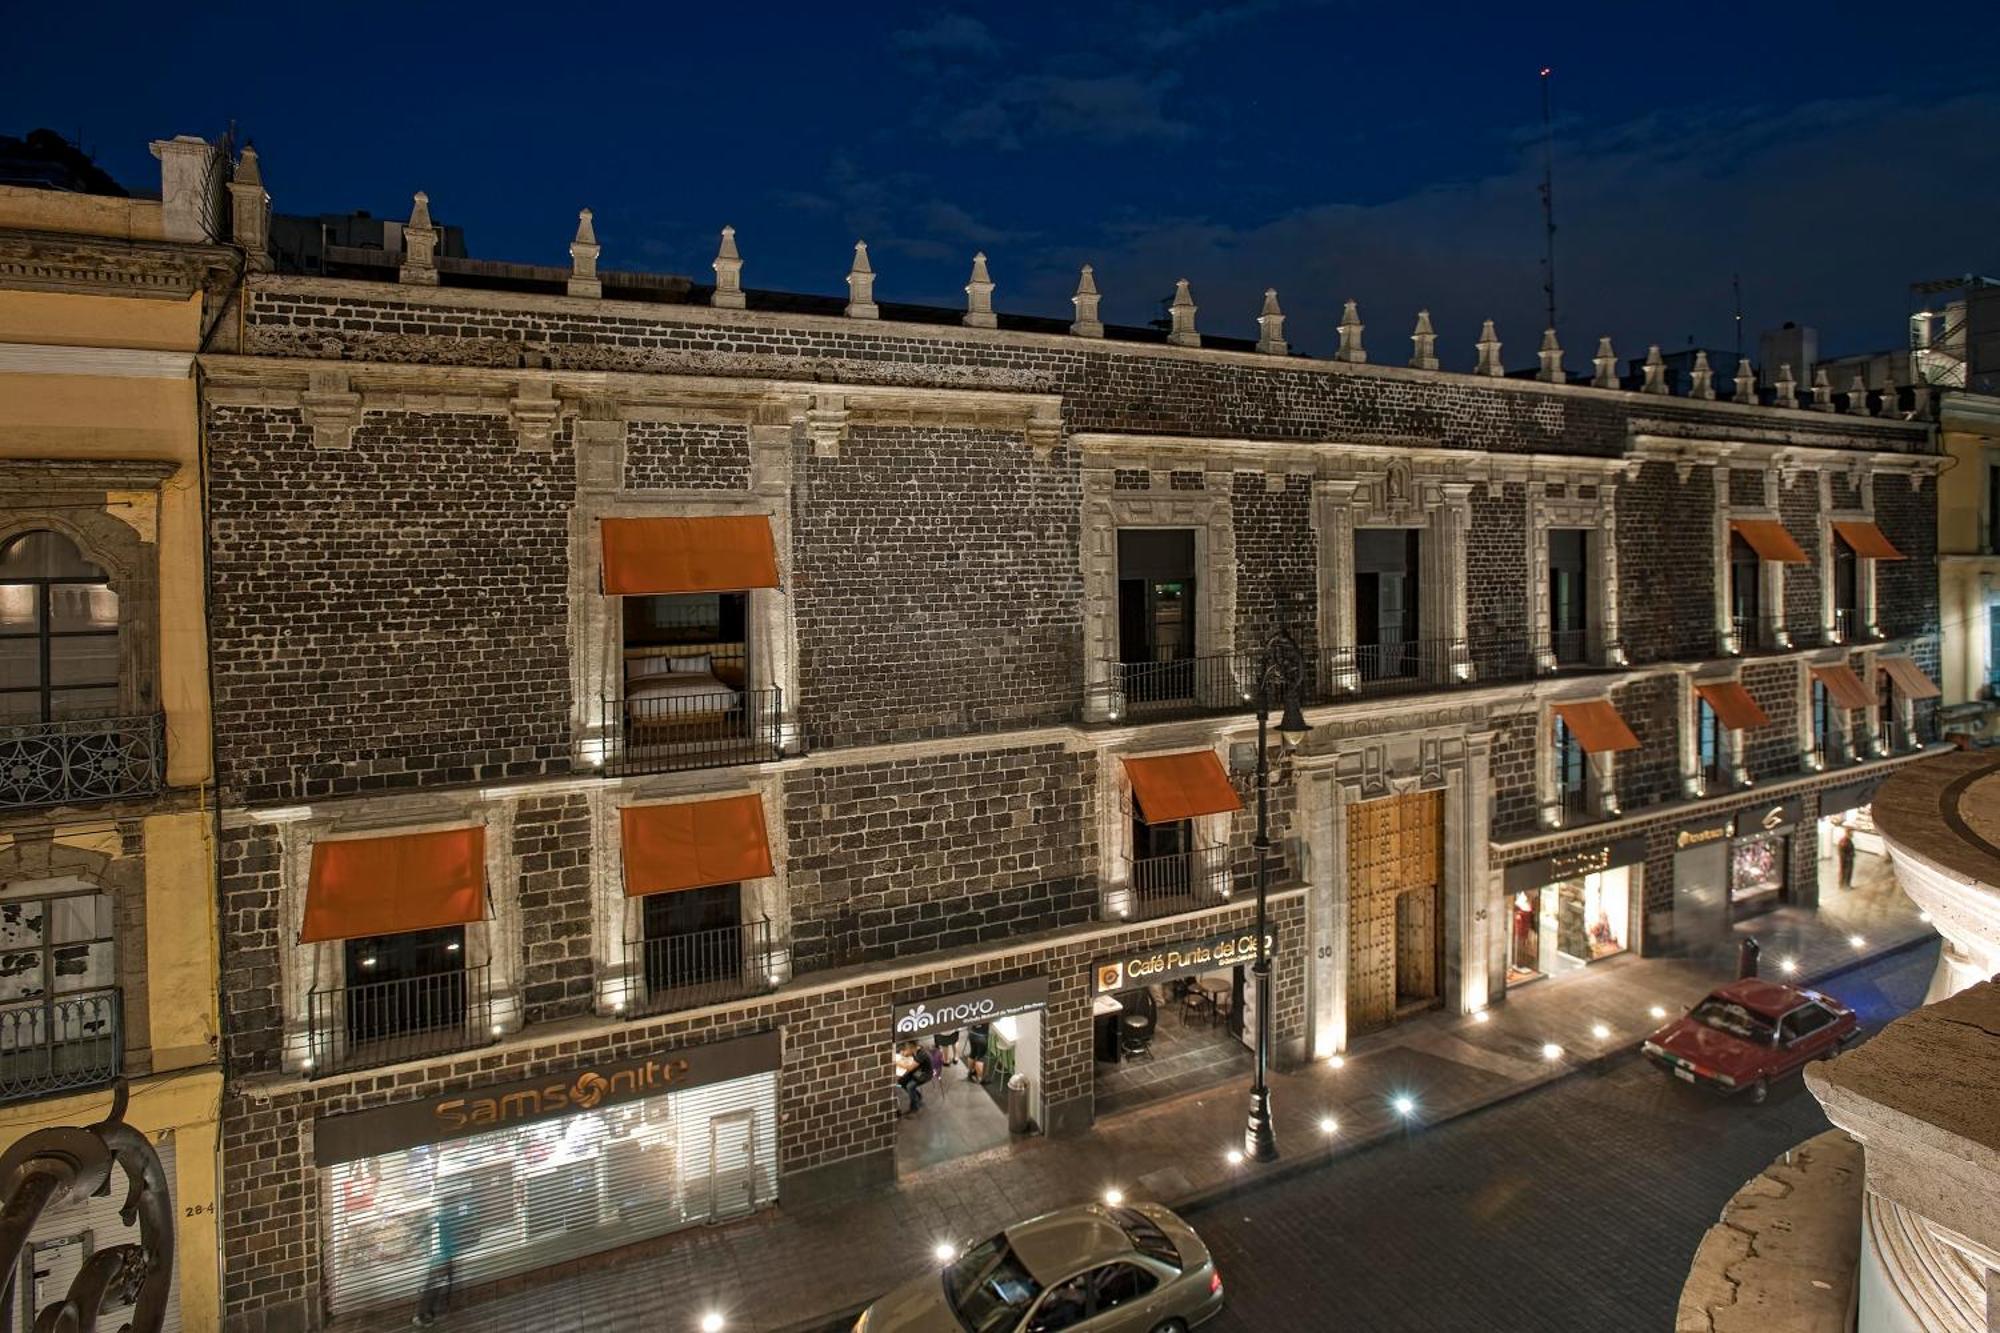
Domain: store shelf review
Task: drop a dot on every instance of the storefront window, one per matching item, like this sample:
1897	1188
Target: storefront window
479	1208
1757	868
1592	914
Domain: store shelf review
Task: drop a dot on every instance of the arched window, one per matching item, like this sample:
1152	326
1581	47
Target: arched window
58	632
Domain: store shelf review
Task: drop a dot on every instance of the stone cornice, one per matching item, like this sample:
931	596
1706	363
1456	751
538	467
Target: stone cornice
1110	450
106	362
1717	452
106	266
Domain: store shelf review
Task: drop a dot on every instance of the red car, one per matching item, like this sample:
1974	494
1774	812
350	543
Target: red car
1748	1033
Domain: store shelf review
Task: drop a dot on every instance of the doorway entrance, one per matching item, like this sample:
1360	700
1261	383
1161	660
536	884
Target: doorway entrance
1395	934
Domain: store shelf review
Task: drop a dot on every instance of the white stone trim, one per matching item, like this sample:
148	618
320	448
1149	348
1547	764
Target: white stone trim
105	362
1598	519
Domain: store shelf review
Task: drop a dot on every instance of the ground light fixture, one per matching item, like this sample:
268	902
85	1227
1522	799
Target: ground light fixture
711	1322
1481	1016
1405	1105
1658	1012
1113	1197
1336	1062
1924	917
1551	1051
1328	1126
1600	1031
1857	941
944	1251
1234	1157
1788	965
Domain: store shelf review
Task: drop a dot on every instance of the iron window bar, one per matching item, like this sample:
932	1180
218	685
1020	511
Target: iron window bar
688	969
408	1018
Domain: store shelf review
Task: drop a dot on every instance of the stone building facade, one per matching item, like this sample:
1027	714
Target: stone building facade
1013	572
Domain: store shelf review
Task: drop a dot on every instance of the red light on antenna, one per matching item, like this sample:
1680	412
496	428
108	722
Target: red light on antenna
1546	71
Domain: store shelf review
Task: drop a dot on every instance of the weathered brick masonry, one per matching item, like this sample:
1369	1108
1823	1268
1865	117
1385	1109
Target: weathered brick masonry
1666	564
1277	558
1496	571
1773	751
671	455
1798	507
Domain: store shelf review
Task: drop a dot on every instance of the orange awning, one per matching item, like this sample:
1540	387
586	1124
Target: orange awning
1843	687
1866	539
1180	786
1911	682
1597	727
1733	706
694	844
385	886
668	555
1768	538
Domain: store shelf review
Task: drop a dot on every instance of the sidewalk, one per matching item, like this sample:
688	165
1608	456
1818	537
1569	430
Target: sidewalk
794	1269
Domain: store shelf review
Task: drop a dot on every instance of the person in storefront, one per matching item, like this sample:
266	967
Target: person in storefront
975	1052
1843	854
947	1046
449	1226
913	1070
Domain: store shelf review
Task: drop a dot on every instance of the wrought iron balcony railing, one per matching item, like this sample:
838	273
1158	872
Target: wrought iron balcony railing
698	967
1412	666
1157	886
668	733
1572	808
382	1022
1848	627
1219	683
59	1043
81	759
1570	647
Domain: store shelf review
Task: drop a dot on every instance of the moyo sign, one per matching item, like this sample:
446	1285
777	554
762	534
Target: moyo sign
1206	954
947	1013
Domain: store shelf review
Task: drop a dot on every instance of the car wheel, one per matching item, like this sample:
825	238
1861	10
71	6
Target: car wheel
1760	1090
1171	1326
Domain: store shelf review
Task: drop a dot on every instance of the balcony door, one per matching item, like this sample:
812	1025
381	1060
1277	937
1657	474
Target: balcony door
1744	571
1157	611
58	632
405	985
59	1000
1846	590
1569	595
1387	602
693	938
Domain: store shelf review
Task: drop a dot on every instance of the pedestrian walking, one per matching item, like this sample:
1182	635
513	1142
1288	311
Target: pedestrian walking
449	1227
1843	853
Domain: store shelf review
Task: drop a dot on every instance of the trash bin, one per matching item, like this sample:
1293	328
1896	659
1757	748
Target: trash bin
1746	959
1018	1121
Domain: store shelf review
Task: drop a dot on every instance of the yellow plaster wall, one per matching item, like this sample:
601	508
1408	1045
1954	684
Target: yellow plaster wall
1961	492
65	319
185	1106
85	214
88	416
181	939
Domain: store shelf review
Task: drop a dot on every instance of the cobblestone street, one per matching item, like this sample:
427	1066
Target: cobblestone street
1578	1206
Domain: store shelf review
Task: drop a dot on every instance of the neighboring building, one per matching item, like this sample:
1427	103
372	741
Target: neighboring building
636	716
107	809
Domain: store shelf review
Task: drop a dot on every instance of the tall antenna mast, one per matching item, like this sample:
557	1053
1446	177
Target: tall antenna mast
1548	198
1736	289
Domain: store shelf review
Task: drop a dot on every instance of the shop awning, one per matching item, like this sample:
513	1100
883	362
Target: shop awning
1866	539
1733	706
1843	687
1168	787
694	844
1768	538
386	886
726	553
1910	680
1597	727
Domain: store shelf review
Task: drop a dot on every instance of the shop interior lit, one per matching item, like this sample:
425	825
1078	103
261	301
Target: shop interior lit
1563	927
952	1090
1171	1037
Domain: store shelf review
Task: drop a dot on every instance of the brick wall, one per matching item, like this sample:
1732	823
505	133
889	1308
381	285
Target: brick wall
552	839
669	455
1773	751
1666	564
937	585
1277	559
833	1104
392	615
1746	488
1512	772
1650	774
1906	591
1497	596
249	877
1798	509
1842	491
903	857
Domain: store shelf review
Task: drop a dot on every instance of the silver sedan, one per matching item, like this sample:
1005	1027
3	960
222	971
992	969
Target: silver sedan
1100	1268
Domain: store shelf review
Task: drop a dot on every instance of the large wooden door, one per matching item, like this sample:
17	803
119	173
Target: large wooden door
1392	856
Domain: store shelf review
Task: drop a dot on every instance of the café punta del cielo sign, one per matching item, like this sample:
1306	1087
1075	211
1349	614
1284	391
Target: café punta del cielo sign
1204	953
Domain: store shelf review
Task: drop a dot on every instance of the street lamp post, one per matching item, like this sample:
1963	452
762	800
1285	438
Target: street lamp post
1281	670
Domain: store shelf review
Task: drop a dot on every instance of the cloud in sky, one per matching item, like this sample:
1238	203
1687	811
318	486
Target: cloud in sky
948	36
1108	109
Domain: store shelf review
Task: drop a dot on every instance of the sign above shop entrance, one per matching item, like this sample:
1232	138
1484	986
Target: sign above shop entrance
1203	953
1848	796
1766	818
1713	829
945	1013
464	1112
1555	868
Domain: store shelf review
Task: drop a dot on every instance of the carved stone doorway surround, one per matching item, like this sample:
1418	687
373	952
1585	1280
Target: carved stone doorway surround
1448	752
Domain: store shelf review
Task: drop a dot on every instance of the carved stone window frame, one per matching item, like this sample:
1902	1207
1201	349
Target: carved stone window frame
614	915
1600	770
1731	740
1438	503
1865	609
110	511
1116	810
1598	517
1843	741
494	942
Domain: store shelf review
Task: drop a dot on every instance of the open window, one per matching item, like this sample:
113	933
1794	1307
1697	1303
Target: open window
1745	594
1179	858
1569	596
689	939
1388	597
1577	779
1157	640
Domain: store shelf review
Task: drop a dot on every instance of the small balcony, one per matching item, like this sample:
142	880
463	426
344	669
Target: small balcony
1572	809
665	733
1569	648
408	1018
1157	886
1219	683
1848	626
1413	666
698	967
80	760
60	1044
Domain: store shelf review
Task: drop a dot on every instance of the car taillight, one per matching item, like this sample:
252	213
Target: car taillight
1214	1283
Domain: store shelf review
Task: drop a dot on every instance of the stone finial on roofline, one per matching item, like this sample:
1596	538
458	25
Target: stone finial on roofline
1551	355
420	241
1271	326
1606	364
250	212
1424	344
1086	324
728	268
979	296
1822	391
1788	387
583	252
1701	379
1655	371
861	286
1489	352
1181	332
1857	397
1350	349
1745	381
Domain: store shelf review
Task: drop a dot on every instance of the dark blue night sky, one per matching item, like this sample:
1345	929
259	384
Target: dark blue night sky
1831	154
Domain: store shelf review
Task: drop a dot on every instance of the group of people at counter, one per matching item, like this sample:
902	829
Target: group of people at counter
917	1064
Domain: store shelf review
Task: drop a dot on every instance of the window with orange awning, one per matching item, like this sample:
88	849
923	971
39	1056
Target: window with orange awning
1733	706
1597	727
1866	539
361	887
1169	787
694	844
1768	538
1909	678
1843	687
659	556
